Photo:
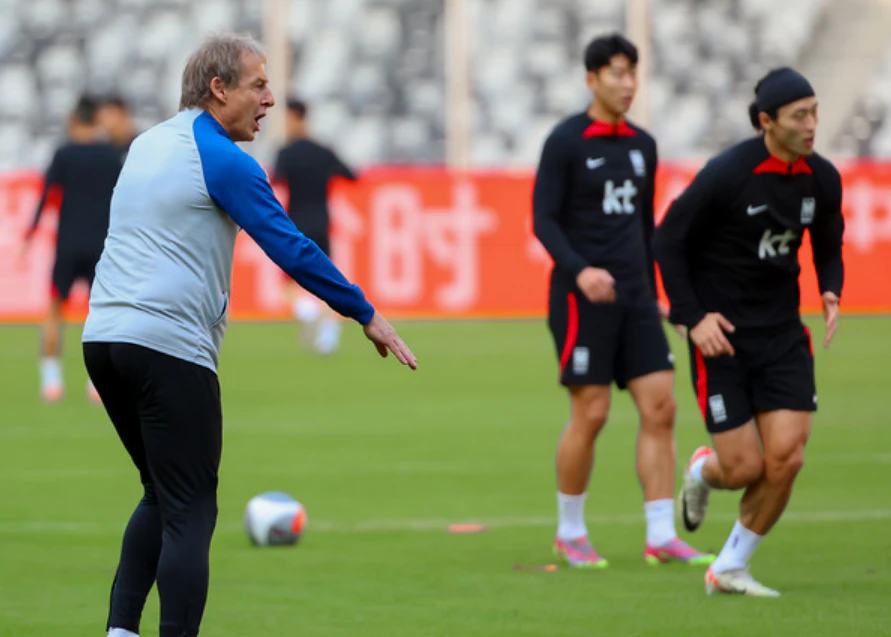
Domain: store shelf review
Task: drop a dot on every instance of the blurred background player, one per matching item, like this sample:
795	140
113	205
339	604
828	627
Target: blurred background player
728	250
115	118
593	212
307	169
85	169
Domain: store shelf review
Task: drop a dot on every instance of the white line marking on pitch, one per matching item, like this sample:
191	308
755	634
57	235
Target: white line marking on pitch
376	526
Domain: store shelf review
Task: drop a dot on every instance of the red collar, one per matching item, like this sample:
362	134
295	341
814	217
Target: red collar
776	165
602	129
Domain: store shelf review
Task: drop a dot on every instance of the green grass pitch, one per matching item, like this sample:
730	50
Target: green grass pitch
383	459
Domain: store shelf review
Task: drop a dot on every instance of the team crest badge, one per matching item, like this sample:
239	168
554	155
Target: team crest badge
638	163
808	206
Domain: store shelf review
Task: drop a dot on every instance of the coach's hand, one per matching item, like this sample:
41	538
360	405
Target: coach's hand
830	313
708	335
385	338
597	285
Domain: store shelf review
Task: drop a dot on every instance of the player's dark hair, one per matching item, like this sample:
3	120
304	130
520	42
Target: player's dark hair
776	89
298	107
116	100
85	110
753	115
753	107
601	50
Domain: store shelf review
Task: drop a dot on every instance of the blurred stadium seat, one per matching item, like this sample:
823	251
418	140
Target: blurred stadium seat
373	69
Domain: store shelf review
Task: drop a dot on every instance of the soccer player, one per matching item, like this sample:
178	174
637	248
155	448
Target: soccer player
307	168
159	311
114	116
593	212
728	250
85	169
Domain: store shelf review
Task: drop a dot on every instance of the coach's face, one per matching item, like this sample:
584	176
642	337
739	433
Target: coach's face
241	107
615	84
795	127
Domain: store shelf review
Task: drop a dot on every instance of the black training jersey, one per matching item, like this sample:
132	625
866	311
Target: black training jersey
307	168
86	175
593	201
730	242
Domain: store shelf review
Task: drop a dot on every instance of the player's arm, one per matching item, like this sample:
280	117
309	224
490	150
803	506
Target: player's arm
649	217
51	179
340	169
548	197
826	240
684	219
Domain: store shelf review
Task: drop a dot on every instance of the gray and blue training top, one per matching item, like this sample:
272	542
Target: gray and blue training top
165	274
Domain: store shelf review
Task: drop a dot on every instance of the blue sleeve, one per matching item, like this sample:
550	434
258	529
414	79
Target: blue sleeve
238	185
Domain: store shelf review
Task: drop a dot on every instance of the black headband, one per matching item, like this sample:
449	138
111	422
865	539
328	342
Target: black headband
781	87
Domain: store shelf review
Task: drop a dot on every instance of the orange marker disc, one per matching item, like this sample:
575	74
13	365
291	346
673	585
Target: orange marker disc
467	528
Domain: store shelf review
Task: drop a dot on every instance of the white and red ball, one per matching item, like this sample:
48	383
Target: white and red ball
274	519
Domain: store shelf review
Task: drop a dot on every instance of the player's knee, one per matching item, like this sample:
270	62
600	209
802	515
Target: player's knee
786	467
744	471
590	419
659	415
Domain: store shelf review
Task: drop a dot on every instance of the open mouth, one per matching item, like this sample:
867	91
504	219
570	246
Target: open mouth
257	121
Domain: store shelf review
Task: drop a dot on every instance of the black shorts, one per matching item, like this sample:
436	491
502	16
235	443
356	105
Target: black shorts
70	267
772	369
168	415
602	343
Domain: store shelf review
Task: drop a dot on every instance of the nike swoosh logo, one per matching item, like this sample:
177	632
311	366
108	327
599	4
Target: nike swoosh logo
754	210
595	163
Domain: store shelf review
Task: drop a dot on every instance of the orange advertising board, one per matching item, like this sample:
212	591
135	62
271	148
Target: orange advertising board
439	244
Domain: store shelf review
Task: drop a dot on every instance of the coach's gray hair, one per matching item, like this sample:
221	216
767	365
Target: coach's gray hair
219	56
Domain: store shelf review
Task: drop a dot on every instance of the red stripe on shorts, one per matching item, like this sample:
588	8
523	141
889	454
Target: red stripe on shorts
572	330
701	381
810	339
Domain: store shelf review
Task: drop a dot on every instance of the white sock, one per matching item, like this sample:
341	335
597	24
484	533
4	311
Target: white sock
660	522
50	371
738	550
328	338
120	632
571	514
696	469
306	309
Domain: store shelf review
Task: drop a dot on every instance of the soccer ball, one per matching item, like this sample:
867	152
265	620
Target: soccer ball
274	519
